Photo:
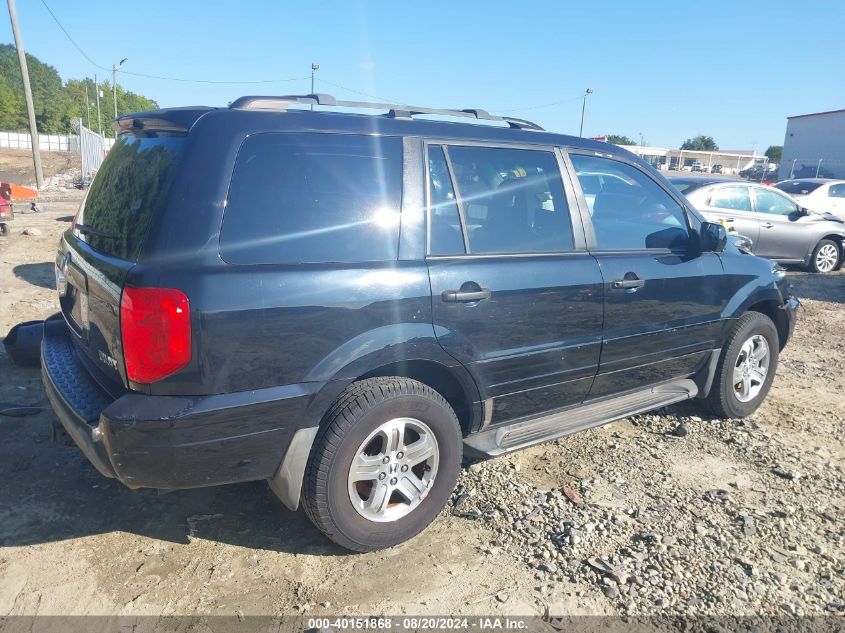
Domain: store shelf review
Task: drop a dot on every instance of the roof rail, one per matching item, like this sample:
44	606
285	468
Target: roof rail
394	110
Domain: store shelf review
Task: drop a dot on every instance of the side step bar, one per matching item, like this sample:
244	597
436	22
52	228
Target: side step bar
520	434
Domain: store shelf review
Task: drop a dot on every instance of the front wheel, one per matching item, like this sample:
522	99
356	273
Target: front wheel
825	257
746	367
383	465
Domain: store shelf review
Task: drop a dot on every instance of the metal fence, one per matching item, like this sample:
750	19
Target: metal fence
92	149
812	168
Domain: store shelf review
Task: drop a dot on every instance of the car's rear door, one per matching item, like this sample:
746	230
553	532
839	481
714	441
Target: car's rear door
663	298
516	297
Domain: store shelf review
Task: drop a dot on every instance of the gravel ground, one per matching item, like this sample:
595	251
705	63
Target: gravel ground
666	513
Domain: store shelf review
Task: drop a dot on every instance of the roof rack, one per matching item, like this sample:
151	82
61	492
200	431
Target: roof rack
394	110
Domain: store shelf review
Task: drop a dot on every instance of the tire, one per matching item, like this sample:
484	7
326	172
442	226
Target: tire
360	516
731	396
826	257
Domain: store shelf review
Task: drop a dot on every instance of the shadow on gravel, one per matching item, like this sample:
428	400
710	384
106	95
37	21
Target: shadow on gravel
50	492
829	287
41	274
65	218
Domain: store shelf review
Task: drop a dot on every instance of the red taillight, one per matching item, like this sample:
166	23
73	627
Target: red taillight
156	328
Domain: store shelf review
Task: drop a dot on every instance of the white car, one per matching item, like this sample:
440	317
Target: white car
823	195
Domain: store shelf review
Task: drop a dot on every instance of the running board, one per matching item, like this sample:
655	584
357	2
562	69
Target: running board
517	435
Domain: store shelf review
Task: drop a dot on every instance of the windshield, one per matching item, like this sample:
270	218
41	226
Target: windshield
798	187
127	190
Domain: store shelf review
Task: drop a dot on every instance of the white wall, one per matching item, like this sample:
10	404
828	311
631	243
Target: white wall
47	142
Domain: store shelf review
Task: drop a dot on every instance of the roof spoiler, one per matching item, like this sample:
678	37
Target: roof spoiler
154	122
395	111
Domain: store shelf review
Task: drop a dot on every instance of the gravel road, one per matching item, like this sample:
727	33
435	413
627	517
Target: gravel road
668	513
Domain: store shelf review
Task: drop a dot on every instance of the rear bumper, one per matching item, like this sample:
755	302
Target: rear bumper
170	442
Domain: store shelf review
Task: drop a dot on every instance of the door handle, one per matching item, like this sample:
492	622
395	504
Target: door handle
730	220
627	283
767	225
465	296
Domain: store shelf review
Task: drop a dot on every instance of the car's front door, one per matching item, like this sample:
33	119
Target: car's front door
784	232
516	297
731	205
663	298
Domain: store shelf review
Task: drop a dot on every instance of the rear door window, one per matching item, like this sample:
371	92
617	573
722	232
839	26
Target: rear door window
129	188
298	198
513	199
734	198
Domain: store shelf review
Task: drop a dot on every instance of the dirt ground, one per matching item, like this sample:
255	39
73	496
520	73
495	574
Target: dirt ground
16	165
72	542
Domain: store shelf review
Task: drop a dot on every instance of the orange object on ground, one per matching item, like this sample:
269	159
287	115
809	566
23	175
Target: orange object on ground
16	193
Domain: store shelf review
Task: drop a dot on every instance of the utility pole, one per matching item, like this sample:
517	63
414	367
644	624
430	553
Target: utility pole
114	68
583	109
27	91
314	69
87	104
99	119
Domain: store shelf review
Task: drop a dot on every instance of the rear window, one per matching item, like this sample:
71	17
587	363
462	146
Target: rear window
297	198
798	187
128	189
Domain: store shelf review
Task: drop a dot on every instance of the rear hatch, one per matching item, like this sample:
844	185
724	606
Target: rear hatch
105	242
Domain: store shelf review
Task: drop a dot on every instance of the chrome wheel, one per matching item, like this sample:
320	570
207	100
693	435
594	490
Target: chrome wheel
393	470
826	258
751	368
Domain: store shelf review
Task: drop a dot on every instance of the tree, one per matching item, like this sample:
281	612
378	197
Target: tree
56	104
774	153
620	139
701	143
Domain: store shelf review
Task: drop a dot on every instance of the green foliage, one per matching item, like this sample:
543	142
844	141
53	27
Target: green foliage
774	153
701	143
57	104
620	139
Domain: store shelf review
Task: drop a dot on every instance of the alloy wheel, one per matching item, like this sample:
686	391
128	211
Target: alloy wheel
393	470
826	258
751	368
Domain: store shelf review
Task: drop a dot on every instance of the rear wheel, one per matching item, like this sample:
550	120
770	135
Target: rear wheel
746	367
383	465
825	257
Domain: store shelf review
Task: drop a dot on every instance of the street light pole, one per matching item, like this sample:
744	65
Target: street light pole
114	68
314	69
583	109
99	118
27	92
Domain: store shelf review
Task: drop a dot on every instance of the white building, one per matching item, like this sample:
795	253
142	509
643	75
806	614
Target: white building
723	162
814	146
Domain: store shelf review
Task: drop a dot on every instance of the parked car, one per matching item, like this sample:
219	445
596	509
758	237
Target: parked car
824	195
342	304
778	226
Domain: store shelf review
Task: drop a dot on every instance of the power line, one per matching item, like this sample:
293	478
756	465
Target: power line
358	92
67	35
148	76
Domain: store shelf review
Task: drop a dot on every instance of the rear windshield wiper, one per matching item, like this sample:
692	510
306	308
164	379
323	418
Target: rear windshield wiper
89	230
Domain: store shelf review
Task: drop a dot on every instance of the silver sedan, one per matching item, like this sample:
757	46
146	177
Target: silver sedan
778	226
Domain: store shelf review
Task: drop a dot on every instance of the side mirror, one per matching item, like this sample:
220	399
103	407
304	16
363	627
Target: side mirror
802	211
714	237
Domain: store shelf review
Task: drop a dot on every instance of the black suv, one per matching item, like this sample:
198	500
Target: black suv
342	304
